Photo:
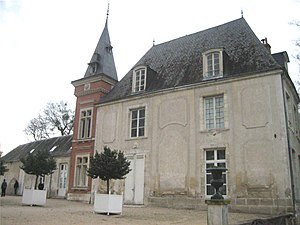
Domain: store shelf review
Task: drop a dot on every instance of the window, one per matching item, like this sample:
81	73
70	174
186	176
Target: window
93	68
215	157
137	122
85	125
139	79
81	179
214	112
212	64
63	175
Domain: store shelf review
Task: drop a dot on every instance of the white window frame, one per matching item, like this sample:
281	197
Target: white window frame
215	111
63	183
84	131
139	81
206	70
138	121
81	177
215	162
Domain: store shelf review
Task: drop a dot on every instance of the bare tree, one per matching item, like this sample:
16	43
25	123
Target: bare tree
60	117
297	56
56	117
37	128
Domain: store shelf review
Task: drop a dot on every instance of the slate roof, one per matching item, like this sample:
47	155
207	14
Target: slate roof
179	62
103	56
281	58
63	148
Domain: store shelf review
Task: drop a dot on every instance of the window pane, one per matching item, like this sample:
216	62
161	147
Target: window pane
134	114
209	155
141	131
221	165
142	113
220	154
210	190
134	133
209	165
134	124
85	159
208	178
88	127
142	122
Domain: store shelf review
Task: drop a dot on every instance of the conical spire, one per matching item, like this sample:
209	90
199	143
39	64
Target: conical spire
102	61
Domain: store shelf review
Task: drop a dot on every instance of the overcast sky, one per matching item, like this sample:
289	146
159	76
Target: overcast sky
46	44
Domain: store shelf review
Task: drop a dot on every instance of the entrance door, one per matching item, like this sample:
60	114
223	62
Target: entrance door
134	182
62	183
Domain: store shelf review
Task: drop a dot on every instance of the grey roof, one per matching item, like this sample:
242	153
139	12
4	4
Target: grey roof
179	62
63	148
281	58
103	57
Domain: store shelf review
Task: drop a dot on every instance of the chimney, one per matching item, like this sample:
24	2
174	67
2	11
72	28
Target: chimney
266	44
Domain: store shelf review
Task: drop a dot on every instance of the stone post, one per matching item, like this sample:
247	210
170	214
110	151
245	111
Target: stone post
217	211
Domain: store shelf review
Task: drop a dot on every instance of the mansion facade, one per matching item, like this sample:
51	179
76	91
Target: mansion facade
217	97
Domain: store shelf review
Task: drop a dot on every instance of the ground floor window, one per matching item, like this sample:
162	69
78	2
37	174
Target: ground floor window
81	179
214	157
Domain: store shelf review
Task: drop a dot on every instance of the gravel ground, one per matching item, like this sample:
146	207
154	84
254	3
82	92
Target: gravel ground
63	212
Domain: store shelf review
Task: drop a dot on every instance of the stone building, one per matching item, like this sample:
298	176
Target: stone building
56	183
215	97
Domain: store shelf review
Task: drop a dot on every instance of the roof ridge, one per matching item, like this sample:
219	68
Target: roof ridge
205	30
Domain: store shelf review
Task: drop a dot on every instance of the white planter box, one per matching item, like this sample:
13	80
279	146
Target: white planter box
107	203
34	197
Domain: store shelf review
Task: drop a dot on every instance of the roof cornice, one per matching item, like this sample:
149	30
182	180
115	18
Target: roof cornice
94	78
191	86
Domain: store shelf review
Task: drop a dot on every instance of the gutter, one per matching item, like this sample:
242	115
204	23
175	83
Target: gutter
289	148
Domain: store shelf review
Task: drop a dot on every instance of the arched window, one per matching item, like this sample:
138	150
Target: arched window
213	64
139	79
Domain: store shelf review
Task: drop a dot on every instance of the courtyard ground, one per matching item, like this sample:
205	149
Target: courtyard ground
63	212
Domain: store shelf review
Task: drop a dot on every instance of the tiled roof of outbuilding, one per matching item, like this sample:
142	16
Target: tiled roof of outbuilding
179	61
63	148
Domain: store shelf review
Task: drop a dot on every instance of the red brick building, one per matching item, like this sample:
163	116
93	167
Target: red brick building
100	77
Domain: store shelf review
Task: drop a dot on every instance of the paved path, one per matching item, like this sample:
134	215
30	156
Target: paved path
63	212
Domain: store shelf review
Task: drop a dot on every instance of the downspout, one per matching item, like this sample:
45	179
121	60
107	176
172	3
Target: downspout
289	149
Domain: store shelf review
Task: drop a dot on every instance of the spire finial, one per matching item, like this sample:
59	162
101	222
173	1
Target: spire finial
242	13
107	13
153	41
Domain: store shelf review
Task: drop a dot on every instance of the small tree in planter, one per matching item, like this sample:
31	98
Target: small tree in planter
109	164
40	164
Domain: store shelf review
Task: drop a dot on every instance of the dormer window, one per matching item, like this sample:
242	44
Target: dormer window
139	79
213	64
93	67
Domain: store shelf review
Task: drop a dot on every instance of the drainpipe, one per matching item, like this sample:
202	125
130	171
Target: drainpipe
289	149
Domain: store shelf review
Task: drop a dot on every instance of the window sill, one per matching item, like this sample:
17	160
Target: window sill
212	78
84	140
80	188
137	92
135	138
214	131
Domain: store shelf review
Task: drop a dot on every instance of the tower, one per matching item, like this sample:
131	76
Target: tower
99	78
